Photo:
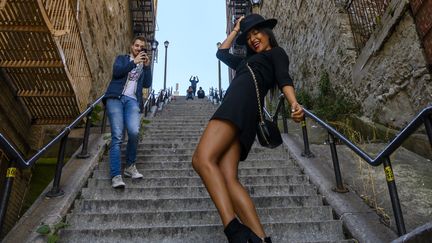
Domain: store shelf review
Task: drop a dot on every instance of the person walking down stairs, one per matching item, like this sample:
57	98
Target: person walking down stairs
131	73
231	131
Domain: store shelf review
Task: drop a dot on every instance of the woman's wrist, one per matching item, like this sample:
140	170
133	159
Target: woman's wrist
236	31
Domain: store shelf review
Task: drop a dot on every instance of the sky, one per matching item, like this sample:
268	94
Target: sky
192	27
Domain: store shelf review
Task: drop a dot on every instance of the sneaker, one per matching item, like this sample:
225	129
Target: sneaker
132	172
117	182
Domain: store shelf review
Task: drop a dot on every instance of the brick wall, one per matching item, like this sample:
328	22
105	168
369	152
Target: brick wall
422	10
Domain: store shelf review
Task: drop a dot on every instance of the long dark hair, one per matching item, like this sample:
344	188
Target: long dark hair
269	33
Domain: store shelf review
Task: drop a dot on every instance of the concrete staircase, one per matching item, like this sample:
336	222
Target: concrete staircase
171	204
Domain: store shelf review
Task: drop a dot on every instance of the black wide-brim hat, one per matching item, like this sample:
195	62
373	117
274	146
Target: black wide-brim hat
253	21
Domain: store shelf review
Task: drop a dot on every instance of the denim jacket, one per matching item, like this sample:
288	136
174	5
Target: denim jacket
121	68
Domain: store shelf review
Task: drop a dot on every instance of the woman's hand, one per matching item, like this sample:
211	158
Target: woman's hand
237	25
297	113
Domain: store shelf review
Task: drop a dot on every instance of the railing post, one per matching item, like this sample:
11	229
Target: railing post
104	118
306	153
10	175
339	184
84	153
55	190
146	107
428	125
284	116
397	211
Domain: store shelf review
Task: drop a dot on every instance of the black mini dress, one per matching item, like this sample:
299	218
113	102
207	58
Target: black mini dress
240	104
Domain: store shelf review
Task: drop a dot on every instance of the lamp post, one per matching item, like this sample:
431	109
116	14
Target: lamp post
166	43
219	73
154	46
255	5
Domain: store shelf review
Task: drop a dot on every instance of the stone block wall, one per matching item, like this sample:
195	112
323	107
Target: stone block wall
389	78
106	32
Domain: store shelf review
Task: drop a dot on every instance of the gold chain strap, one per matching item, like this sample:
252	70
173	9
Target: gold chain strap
257	92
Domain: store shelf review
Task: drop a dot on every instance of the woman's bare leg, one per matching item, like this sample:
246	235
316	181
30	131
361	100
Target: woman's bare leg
215	141
242	202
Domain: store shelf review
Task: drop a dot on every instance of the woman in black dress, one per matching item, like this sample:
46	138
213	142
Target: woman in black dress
231	131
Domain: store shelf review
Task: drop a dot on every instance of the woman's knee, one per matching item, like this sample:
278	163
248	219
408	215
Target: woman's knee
201	162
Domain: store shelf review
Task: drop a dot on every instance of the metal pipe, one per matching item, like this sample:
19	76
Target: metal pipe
104	119
165	69
306	153
8	182
284	117
391	184
55	190
84	153
339	184
428	125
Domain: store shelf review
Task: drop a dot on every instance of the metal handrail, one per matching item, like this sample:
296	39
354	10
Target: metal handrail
14	154
17	159
424	117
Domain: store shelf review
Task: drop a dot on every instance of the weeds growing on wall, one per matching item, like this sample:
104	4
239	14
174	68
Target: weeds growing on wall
366	189
336	108
328	104
95	117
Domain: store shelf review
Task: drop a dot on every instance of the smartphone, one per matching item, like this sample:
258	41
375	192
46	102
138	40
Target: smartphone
144	50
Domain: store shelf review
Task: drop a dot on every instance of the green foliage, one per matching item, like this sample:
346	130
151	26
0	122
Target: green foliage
328	104
304	98
51	231
95	116
43	229
331	105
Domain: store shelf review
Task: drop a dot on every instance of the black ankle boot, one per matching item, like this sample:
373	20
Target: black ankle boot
267	240
237	232
253	238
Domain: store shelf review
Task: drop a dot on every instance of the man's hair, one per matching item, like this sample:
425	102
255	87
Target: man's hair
141	38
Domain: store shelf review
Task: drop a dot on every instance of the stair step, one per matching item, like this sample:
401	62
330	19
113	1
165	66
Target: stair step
104	165
193	217
188	157
200	191
196	181
280	232
148	173
184	204
190	150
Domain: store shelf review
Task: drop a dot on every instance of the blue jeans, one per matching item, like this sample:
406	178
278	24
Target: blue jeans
123	112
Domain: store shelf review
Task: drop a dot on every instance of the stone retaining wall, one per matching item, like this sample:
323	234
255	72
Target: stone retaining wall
389	78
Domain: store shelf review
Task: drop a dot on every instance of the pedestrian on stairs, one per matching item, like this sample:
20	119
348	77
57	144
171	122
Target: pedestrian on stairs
194	80
231	131
189	93
131	73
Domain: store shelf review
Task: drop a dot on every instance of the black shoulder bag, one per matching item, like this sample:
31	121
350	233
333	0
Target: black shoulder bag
267	130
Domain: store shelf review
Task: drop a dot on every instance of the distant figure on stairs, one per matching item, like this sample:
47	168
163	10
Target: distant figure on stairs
231	131
201	93
194	80
131	73
189	93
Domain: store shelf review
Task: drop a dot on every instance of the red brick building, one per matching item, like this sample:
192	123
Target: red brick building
422	11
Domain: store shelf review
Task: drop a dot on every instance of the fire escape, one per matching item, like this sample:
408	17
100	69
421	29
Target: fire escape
143	14
235	9
43	59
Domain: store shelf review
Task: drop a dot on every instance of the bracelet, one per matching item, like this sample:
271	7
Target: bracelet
235	30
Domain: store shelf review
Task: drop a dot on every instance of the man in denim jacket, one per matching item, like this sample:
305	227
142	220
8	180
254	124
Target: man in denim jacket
131	73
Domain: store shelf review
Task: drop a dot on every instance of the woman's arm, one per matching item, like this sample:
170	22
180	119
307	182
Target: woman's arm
227	43
296	109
